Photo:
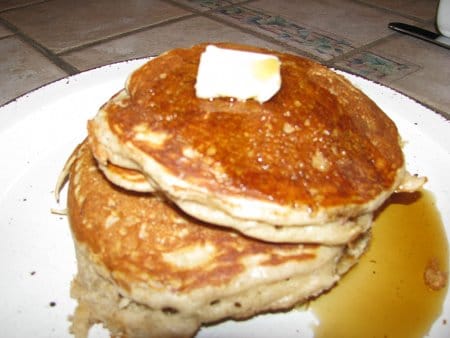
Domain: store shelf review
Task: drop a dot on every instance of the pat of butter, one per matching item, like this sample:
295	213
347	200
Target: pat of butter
237	74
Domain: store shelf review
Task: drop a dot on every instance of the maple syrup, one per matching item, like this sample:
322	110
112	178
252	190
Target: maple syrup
385	294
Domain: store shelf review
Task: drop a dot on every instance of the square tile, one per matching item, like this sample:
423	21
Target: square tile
62	25
11	4
22	69
156	40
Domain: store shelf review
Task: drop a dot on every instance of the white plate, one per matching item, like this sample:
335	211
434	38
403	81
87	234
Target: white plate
37	133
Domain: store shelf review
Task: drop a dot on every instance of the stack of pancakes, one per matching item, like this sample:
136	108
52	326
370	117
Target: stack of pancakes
187	211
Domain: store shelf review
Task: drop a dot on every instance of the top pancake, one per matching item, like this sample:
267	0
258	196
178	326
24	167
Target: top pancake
318	151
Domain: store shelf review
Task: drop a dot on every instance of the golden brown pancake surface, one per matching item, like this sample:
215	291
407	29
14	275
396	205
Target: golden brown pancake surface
318	142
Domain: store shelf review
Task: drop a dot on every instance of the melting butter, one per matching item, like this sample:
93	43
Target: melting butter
237	74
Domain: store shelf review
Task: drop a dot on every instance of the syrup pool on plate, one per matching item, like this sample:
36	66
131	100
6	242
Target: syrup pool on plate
398	288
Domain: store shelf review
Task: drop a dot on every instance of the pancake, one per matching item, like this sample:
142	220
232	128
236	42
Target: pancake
127	178
146	269
312	164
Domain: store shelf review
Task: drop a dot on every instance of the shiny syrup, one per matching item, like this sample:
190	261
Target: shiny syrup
385	294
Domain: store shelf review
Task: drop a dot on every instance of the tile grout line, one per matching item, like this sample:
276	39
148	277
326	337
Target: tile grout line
360	49
13	8
193	13
48	54
127	33
395	12
7	36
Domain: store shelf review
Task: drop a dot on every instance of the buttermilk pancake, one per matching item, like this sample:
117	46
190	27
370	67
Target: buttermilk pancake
146	269
309	165
126	178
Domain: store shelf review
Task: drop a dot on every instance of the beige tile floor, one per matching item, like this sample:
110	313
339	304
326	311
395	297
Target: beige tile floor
45	40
